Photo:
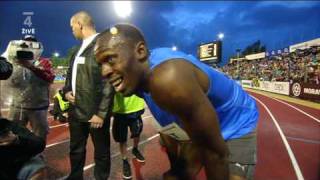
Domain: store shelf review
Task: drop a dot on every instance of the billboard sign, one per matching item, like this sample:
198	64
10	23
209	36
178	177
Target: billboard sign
210	51
305	91
305	45
256	56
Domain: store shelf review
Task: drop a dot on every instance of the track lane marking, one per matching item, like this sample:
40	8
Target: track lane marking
128	149
285	142
304	140
89	166
57	143
303	112
112	156
66	124
59	125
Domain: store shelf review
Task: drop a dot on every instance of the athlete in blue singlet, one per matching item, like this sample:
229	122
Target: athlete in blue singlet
236	110
214	111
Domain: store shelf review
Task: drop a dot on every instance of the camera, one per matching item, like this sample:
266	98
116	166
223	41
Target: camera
24	50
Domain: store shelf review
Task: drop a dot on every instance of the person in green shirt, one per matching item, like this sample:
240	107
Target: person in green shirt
127	112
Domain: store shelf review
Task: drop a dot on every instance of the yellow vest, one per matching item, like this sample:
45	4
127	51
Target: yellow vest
64	105
126	105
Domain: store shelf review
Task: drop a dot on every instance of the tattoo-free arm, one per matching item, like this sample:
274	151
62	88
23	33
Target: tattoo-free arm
175	88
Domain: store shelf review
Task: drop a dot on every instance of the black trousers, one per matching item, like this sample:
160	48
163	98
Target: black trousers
79	132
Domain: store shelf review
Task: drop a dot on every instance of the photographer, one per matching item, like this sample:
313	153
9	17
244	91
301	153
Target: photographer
5	69
5	73
18	150
29	84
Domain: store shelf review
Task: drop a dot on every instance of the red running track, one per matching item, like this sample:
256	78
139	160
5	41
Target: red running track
300	131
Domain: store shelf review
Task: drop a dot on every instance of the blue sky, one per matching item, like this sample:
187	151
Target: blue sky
185	24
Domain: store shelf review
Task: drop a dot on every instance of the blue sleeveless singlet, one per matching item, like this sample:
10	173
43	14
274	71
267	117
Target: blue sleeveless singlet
236	110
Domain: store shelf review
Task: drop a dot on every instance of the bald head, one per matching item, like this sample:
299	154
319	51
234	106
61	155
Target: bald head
82	25
84	18
118	35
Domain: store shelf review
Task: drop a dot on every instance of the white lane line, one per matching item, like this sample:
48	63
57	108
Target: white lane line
59	125
66	124
115	154
118	153
297	109
146	117
291	155
303	140
54	144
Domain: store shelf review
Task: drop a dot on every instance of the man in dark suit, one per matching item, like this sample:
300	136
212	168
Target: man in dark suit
90	102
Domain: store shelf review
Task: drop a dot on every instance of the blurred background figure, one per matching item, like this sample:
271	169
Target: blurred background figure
29	84
60	108
5	73
18	152
5	69
127	112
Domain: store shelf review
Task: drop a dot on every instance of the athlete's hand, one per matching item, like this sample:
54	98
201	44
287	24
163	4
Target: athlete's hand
96	121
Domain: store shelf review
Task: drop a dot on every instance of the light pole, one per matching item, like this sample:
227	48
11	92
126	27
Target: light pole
220	38
238	67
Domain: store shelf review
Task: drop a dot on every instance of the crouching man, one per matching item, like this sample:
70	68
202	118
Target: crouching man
19	149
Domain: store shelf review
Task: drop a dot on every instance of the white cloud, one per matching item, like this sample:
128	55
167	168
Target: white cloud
189	17
185	19
289	4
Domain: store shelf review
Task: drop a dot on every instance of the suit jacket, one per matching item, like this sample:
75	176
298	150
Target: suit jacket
93	95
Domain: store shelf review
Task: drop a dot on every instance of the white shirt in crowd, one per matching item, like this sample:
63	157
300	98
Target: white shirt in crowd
80	60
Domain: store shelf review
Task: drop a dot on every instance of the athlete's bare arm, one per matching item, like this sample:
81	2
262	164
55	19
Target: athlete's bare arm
180	88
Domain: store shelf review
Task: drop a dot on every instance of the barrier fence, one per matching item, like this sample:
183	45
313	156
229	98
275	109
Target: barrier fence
296	89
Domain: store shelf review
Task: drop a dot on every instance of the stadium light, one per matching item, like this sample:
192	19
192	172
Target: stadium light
56	54
220	36
122	8
174	48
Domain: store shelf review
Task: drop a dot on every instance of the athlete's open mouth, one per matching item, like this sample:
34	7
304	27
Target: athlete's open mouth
117	83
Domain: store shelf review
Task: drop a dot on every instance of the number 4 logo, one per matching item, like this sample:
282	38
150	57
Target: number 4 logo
28	21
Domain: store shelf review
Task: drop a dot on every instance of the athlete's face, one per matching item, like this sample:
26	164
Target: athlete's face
120	64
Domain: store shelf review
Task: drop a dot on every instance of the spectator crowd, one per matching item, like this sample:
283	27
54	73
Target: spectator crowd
300	65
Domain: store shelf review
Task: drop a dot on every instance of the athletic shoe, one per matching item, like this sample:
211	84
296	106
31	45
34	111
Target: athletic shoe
138	155
126	171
